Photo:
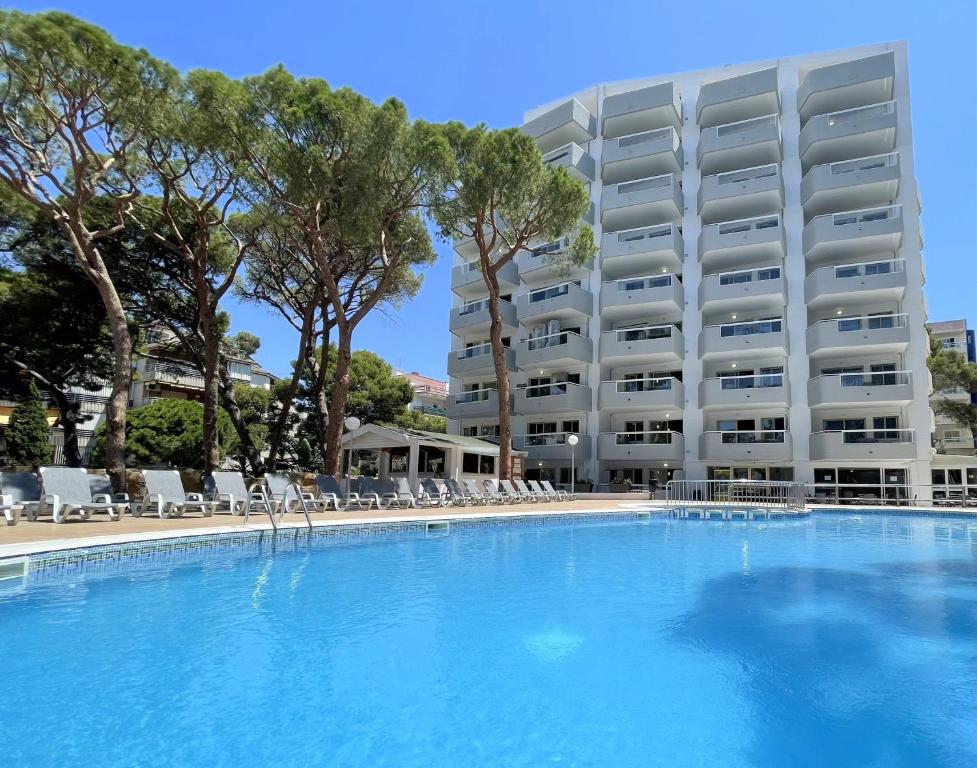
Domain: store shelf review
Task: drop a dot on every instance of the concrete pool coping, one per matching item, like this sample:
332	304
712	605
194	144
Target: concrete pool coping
34	538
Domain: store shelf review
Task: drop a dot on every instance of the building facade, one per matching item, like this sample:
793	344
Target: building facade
430	395
756	308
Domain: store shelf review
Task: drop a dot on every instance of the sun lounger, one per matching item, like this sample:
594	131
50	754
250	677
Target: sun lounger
436	494
423	497
370	493
397	492
560	495
527	492
19	492
331	495
165	496
230	492
477	495
510	490
541	493
71	490
458	495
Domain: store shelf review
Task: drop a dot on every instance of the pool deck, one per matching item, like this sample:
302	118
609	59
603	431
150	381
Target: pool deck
45	535
27	538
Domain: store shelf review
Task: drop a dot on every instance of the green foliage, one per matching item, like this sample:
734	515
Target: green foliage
242	344
303	454
505	196
424	421
28	431
168	432
951	370
256	411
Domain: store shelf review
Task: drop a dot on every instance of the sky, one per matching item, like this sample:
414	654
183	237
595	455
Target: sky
490	60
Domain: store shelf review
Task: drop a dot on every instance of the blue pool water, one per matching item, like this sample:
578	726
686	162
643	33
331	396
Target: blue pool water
830	641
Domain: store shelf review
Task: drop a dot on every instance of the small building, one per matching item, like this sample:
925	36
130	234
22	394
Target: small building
430	395
390	452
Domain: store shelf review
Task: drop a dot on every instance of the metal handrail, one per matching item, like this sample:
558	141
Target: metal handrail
774	494
751	220
258	496
300	498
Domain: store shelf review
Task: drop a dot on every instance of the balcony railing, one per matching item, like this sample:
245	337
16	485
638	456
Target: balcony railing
746	225
656	437
867	268
870	379
872	436
642	137
863	164
744	126
730	436
652	384
644	233
550	292
749	327
550	340
865	215
640	185
748	174
542	438
473	395
756	381
644	333
475	351
859	113
472	307
549	390
627	284
866	322
742	276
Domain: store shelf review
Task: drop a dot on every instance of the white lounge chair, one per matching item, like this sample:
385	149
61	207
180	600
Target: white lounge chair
541	493
527	493
423	497
19	492
370	493
165	496
230	492
71	490
437	495
331	495
560	495
509	489
477	495
459	495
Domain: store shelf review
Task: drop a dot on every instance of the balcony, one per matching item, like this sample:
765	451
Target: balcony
566	301
568	122
851	133
643	109
641	155
473	404
642	394
553	446
730	242
755	338
845	85
736	445
866	283
642	202
851	185
868	335
636	297
742	144
641	446
893	388
645	248
558	397
738	98
738	194
753	289
853	233
864	445
741	391
548	263
177	379
554	350
473	318
467	279
646	344
477	360
574	159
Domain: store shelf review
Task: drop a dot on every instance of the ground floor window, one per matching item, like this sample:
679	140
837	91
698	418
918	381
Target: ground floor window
779	474
861	485
476	464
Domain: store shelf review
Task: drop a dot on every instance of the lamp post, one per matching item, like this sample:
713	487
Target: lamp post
572	441
352	423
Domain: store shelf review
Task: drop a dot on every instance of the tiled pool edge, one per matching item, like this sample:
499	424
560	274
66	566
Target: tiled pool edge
47	562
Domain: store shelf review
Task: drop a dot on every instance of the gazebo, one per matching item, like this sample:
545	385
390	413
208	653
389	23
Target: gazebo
415	454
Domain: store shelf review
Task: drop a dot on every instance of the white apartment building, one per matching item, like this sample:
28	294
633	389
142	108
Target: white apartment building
756	308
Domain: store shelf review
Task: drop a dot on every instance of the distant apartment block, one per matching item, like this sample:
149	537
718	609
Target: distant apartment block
430	395
756	308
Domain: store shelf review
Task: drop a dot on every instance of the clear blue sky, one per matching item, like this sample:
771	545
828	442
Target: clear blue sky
489	60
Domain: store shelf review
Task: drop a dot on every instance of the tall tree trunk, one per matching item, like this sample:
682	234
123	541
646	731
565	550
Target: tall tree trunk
277	432
90	260
337	402
501	377
68	416
229	403
211	334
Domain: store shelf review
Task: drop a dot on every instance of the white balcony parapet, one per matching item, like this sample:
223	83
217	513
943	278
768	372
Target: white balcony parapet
861	164
856	113
652	437
748	327
740	436
640	185
647	384
863	322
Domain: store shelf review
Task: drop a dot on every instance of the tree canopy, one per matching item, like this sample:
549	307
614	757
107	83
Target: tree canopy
951	370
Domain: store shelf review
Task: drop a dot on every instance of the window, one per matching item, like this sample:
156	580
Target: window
848	271
430	460
849	324
734	278
878	268
824	475
475	464
768	274
882	320
938	477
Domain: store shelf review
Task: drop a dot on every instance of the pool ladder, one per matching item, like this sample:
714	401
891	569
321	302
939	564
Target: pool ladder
257	496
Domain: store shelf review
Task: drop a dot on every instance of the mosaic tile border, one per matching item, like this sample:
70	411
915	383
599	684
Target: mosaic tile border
965	514
134	557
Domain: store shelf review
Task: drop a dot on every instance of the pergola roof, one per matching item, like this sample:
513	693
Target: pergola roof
376	436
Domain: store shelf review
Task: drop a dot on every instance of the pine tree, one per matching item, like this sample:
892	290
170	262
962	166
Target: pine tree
28	431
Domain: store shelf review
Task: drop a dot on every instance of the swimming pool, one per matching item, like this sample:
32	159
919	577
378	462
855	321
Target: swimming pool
833	640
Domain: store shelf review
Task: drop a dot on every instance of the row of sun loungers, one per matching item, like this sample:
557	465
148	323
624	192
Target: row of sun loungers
63	492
